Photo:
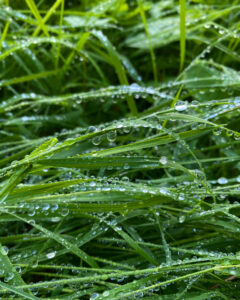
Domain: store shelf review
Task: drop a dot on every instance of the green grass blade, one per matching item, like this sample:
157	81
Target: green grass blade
31	4
182	32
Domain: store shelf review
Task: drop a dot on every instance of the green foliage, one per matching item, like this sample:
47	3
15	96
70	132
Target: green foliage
119	143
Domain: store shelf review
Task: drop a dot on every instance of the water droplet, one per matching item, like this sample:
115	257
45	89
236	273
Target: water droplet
51	255
97	140
5	250
45	207
94	296
64	212
92	129
125	179
163	160
217	131
106	293
138	295
31	213
181	219
32	222
181	106
229	132
9	277
111	136
222	180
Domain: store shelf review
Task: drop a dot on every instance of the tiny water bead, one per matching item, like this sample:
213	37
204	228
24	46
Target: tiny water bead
111	136
51	255
106	293
182	219
94	296
64	212
9	277
222	180
97	140
181	106
163	160
217	131
5	250
138	295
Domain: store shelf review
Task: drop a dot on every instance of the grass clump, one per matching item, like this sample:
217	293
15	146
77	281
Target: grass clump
120	174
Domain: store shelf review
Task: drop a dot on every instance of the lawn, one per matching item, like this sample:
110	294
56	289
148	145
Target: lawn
119	149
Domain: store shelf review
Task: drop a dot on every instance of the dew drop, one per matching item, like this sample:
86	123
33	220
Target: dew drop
217	131
64	212
111	136
97	140
163	160
5	250
181	106
181	219
51	255
9	277
94	296
222	180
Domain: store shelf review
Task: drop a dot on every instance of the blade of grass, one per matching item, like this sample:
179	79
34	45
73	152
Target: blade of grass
4	33
47	16
182	32
31	4
153	58
17	291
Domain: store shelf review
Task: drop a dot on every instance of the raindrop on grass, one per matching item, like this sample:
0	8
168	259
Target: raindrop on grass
94	296
92	129
111	136
181	219
64	212
45	207
5	250
9	277
51	255
125	179
222	180
181	106
163	160
97	140
138	295
217	131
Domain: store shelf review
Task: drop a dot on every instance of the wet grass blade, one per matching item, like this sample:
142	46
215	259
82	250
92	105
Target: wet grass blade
182	32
